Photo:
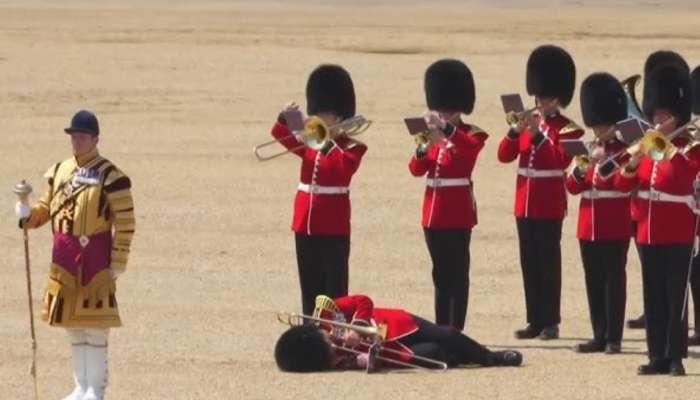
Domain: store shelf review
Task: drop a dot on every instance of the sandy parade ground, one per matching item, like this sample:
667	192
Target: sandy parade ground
185	90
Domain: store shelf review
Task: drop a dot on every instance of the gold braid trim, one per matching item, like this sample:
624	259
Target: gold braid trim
67	304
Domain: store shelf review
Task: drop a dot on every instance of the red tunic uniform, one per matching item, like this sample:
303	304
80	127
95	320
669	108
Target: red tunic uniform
664	196
448	202
540	190
604	211
322	203
399	323
637	203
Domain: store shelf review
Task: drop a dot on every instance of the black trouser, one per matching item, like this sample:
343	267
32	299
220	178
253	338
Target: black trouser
540	260
446	344
695	289
449	251
636	245
606	286
664	275
323	267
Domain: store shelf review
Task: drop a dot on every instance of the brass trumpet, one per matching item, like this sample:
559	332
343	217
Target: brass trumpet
373	335
316	134
582	162
422	142
513	118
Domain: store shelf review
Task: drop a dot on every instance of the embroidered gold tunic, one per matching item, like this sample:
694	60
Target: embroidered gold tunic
88	202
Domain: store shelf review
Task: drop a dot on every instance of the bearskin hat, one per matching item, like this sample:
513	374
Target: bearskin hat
303	349
330	89
449	86
551	73
668	86
603	101
695	77
664	57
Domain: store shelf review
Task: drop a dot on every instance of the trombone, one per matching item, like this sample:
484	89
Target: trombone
658	146
316	134
654	144
374	335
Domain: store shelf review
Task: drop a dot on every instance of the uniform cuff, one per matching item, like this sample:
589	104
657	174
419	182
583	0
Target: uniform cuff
538	139
513	134
449	129
281	119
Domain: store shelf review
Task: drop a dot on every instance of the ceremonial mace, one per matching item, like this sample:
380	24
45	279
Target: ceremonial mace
23	190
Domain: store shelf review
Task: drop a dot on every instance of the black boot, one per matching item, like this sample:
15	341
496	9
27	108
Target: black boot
529	332
550	332
613	348
507	358
655	367
676	368
637	323
591	346
695	339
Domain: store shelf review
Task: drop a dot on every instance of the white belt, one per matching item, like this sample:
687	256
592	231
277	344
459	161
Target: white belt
540	173
445	182
667	197
315	189
603	194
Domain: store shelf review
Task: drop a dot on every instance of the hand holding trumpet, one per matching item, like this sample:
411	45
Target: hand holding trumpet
518	121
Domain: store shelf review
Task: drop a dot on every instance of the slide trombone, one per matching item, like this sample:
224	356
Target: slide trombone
316	134
658	146
373	338
654	144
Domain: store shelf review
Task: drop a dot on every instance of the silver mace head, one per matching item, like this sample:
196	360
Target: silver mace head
22	189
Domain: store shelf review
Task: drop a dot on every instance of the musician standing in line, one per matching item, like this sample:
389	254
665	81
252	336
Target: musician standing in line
540	200
321	222
654	59
604	215
695	274
666	224
449	207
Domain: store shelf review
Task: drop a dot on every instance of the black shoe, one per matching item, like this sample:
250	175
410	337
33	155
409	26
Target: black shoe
694	340
529	332
549	333
508	358
372	353
591	346
613	348
676	368
637	323
655	367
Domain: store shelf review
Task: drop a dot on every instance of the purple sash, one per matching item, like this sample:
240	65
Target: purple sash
94	257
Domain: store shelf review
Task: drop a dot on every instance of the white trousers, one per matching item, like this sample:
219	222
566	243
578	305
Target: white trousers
89	351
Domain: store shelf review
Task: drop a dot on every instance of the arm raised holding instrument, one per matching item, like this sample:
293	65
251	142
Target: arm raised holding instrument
446	156
533	139
325	140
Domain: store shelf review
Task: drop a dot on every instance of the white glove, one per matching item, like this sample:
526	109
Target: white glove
116	272
23	211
